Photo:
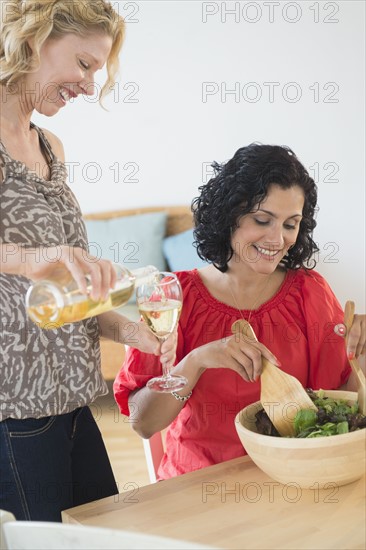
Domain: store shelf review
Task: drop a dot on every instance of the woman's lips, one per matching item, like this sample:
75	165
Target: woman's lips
268	253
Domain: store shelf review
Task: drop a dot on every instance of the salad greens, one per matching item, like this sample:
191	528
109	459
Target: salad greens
333	417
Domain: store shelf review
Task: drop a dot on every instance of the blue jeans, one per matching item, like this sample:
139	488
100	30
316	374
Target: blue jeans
51	464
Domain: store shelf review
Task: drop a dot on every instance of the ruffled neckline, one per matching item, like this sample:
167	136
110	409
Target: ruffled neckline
225	308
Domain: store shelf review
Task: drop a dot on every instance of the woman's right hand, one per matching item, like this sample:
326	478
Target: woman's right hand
80	263
237	353
38	263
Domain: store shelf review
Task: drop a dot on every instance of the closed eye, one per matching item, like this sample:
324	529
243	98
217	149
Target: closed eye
84	65
286	225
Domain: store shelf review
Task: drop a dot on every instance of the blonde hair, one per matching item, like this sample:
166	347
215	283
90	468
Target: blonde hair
22	20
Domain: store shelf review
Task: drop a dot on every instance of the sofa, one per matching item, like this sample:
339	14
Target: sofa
160	236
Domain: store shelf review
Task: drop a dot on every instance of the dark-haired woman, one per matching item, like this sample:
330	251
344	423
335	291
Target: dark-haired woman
254	222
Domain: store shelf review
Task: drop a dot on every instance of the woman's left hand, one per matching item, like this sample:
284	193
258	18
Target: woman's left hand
356	336
145	341
117	327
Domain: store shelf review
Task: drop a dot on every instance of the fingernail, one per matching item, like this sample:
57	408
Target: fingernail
278	363
340	329
351	355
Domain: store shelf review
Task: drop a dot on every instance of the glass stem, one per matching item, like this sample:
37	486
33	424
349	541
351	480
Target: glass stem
166	367
166	372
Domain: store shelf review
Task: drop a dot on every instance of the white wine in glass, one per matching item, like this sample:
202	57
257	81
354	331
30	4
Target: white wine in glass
160	304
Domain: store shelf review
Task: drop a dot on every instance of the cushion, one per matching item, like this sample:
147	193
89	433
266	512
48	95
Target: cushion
133	241
180	253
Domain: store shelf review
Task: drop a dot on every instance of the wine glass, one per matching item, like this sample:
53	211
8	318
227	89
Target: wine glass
160	302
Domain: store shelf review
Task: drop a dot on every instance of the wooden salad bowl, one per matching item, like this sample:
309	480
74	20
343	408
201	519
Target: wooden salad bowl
322	462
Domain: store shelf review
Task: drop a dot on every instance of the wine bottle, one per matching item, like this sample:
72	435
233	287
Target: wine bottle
57	300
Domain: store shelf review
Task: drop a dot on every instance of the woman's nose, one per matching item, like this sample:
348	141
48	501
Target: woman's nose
275	237
88	87
86	83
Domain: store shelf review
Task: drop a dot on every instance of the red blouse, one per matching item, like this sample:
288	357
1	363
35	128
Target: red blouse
296	325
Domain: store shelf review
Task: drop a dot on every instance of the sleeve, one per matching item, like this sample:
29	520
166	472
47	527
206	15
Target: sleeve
136	371
138	367
329	367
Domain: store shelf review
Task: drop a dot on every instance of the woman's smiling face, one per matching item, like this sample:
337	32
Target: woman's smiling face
264	236
67	69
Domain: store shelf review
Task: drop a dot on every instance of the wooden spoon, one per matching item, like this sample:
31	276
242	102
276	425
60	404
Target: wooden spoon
349	312
282	395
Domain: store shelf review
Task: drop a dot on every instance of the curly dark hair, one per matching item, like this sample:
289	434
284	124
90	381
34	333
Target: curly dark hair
237	188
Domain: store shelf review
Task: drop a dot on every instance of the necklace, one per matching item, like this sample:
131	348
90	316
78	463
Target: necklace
256	301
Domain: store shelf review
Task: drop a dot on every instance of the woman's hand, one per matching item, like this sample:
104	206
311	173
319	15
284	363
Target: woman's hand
38	263
144	340
356	341
356	336
237	353
168	350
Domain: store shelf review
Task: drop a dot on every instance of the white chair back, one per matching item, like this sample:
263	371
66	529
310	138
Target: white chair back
39	535
154	451
4	518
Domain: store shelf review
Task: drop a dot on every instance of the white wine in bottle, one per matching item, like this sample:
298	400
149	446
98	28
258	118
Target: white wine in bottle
57	300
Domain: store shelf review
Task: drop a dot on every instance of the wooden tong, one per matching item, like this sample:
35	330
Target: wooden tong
282	395
349	312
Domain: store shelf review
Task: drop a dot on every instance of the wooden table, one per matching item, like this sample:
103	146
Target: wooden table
236	505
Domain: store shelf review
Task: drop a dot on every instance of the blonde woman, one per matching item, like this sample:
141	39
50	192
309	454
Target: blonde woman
52	455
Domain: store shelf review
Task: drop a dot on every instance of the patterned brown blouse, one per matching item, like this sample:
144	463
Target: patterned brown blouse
43	372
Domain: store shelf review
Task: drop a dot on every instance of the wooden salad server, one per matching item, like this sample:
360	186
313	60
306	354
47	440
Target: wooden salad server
282	395
349	312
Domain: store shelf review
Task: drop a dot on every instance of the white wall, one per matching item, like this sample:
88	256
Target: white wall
298	73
